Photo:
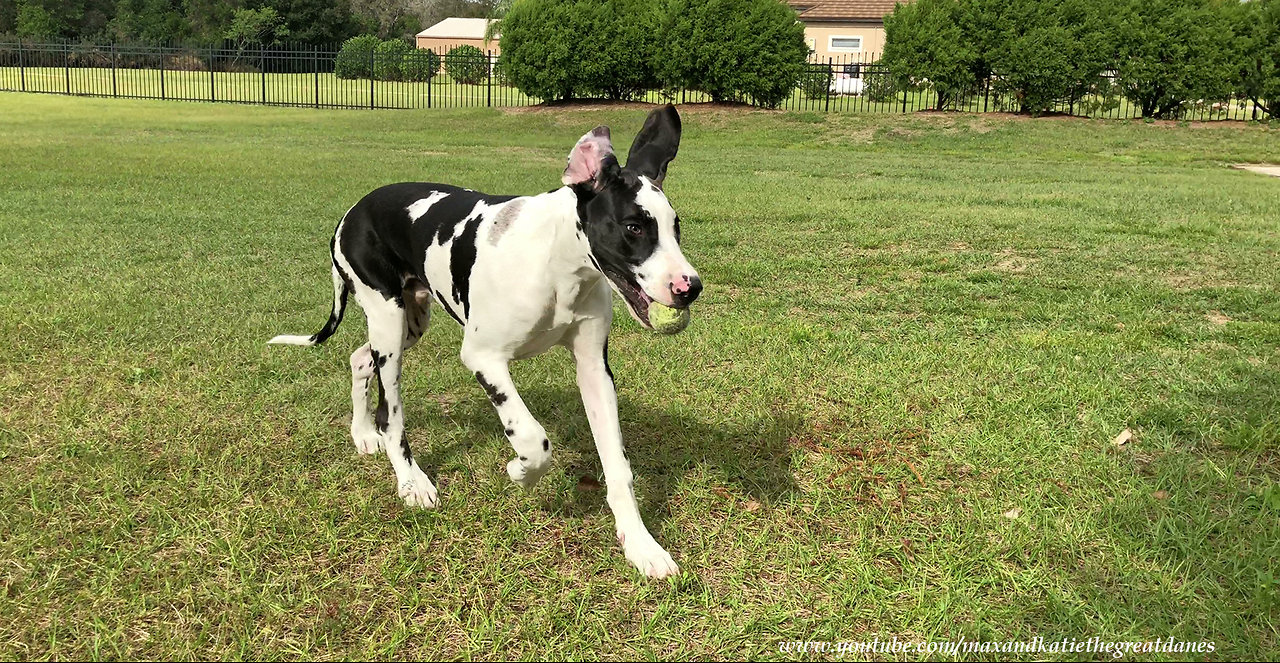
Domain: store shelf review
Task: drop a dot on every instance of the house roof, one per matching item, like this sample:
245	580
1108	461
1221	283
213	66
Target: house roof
457	28
834	10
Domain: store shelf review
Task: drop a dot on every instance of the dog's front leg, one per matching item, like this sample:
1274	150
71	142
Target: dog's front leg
595	381
526	435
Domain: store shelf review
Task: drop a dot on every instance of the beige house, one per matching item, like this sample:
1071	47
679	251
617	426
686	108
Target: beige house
452	32
844	30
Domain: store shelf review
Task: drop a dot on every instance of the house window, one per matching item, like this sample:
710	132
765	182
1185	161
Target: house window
845	44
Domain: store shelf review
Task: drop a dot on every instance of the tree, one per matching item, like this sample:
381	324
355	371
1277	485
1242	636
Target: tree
1043	52
926	47
148	21
34	21
734	50
256	26
1173	52
1257	53
561	49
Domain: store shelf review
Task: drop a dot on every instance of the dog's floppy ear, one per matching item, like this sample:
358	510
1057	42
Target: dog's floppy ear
656	144
587	160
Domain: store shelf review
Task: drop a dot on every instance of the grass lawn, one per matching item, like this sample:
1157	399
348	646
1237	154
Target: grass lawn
892	416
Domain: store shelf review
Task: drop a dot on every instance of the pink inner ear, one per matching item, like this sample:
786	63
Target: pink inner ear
584	163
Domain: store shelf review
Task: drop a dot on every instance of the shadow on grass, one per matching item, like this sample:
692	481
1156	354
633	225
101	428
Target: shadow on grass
748	457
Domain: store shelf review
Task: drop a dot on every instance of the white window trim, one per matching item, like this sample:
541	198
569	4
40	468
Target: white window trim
840	49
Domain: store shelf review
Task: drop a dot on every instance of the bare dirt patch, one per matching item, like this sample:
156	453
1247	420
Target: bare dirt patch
1262	168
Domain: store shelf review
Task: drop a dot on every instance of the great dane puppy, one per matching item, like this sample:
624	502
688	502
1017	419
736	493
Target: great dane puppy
520	274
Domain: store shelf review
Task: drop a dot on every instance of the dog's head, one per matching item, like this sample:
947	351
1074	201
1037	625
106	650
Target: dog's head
632	229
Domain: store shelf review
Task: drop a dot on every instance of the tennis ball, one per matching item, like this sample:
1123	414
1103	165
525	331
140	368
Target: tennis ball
667	320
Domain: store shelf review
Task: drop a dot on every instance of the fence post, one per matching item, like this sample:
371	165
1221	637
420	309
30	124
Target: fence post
213	96
830	78
986	93
22	67
904	100
372	63
66	64
488	60
113	70
430	80
315	67
262	65
162	94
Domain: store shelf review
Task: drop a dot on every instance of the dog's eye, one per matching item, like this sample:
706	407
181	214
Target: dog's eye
635	229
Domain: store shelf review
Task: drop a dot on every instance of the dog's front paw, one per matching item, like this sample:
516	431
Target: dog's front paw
647	556
368	442
418	491
525	475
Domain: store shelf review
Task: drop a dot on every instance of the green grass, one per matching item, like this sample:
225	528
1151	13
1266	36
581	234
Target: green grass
912	326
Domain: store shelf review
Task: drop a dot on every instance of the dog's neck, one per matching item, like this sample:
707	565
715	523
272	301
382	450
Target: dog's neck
569	238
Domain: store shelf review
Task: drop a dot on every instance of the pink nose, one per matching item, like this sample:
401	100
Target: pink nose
686	289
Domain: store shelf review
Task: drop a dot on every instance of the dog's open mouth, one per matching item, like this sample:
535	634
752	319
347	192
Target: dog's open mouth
637	301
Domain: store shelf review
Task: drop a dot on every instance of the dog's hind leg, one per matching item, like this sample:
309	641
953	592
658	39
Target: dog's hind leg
366	428
388	330
364	432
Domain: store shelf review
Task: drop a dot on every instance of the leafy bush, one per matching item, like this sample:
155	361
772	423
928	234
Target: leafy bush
560	49
1174	52
925	47
1045	51
815	81
1257	56
420	65
467	64
354	59
389	59
879	87
734	50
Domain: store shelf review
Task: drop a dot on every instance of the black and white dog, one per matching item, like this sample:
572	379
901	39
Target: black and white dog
520	274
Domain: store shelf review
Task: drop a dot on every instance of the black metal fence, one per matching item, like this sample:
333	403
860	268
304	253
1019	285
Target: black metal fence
281	75
301	75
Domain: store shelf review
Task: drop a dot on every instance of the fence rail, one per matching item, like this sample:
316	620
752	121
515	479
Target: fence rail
303	75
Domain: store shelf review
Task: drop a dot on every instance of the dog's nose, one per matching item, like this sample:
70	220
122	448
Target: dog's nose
686	289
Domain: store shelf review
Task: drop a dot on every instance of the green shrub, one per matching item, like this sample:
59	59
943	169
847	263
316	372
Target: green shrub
1174	52
1042	52
389	59
734	50
560	49
420	65
815	81
467	64
926	47
878	86
354	59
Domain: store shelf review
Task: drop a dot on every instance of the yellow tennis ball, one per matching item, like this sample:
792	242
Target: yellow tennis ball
667	320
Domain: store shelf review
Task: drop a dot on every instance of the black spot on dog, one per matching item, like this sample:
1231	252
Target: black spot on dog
546	444
462	258
607	370
523	459
380	417
404	448
496	397
510	432
447	309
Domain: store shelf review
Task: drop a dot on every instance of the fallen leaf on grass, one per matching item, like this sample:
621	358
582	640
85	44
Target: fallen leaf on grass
588	482
1013	513
1161	494
752	505
1123	438
724	494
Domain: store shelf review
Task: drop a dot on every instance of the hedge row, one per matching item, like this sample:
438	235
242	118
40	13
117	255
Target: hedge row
733	50
367	56
1160	54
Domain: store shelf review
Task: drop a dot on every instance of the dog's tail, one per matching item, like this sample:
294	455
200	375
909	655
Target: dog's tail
340	291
